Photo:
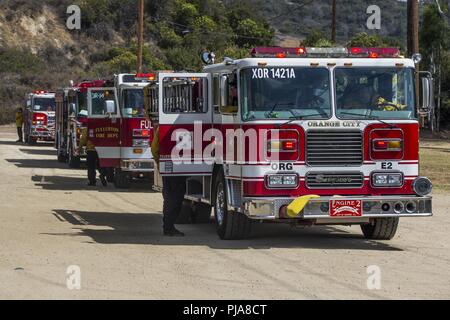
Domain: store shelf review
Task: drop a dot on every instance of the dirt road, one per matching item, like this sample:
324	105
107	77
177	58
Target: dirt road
50	220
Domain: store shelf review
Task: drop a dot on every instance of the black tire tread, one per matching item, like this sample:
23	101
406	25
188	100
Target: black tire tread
238	226
201	213
122	180
382	229
185	216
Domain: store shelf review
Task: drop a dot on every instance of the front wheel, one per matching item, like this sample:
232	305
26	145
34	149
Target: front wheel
62	158
381	229
202	213
230	225
73	161
31	141
122	180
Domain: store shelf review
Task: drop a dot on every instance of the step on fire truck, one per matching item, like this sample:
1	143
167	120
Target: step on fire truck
307	136
120	129
39	117
71	119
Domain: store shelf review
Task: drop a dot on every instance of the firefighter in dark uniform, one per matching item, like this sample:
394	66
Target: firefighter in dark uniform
174	190
92	161
19	124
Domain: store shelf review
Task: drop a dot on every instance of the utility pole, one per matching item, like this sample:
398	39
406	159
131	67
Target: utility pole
413	36
413	27
140	33
333	21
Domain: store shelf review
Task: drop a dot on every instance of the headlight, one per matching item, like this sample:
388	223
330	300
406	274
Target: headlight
141	143
286	181
389	180
422	186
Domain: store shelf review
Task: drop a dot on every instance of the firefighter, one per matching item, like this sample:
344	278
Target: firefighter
19	124
174	190
92	161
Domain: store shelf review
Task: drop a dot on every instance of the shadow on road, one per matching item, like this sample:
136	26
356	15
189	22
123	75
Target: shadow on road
145	229
39	151
38	163
37	145
67	183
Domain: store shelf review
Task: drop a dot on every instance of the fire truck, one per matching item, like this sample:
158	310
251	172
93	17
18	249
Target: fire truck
308	136
120	129
71	119
39	117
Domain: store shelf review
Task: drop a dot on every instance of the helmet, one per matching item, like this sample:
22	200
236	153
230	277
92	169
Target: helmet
83	113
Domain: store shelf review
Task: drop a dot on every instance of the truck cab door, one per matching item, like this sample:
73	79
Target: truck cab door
104	125
185	114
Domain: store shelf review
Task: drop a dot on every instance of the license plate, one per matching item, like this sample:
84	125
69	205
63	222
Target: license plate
345	208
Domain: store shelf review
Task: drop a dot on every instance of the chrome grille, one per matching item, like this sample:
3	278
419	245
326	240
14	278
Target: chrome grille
325	180
334	148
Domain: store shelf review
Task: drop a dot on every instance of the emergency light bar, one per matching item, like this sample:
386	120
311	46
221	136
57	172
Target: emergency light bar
90	84
145	76
338	52
327	52
277	52
40	92
374	52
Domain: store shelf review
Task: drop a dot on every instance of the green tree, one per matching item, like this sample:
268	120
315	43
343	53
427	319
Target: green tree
316	39
435	42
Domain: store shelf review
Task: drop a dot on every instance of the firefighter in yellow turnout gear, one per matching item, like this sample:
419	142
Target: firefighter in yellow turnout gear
92	160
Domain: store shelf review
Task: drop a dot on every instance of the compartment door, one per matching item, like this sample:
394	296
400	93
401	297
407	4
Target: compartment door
185	114
104	125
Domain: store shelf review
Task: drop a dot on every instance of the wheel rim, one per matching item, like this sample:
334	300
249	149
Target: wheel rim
220	204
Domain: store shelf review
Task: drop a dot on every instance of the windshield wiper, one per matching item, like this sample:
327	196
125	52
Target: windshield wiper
276	105
295	118
369	116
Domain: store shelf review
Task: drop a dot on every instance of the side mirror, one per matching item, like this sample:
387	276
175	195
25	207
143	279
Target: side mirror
28	103
427	103
208	57
226	106
72	109
110	107
223	91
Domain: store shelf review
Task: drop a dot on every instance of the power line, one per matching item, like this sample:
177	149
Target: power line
188	28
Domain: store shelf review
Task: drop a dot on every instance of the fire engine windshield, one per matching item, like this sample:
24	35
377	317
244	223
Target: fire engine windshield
133	103
381	93
285	93
82	104
44	104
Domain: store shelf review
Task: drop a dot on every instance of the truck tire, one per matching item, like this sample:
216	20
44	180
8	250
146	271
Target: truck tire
31	141
62	158
122	180
74	162
186	213
201	213
110	177
380	229
230	225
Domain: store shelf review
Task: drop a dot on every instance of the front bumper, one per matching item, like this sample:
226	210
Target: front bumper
269	208
42	134
138	166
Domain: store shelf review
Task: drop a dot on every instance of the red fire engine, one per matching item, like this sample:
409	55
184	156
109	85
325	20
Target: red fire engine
119	128
307	136
71	118
39	117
